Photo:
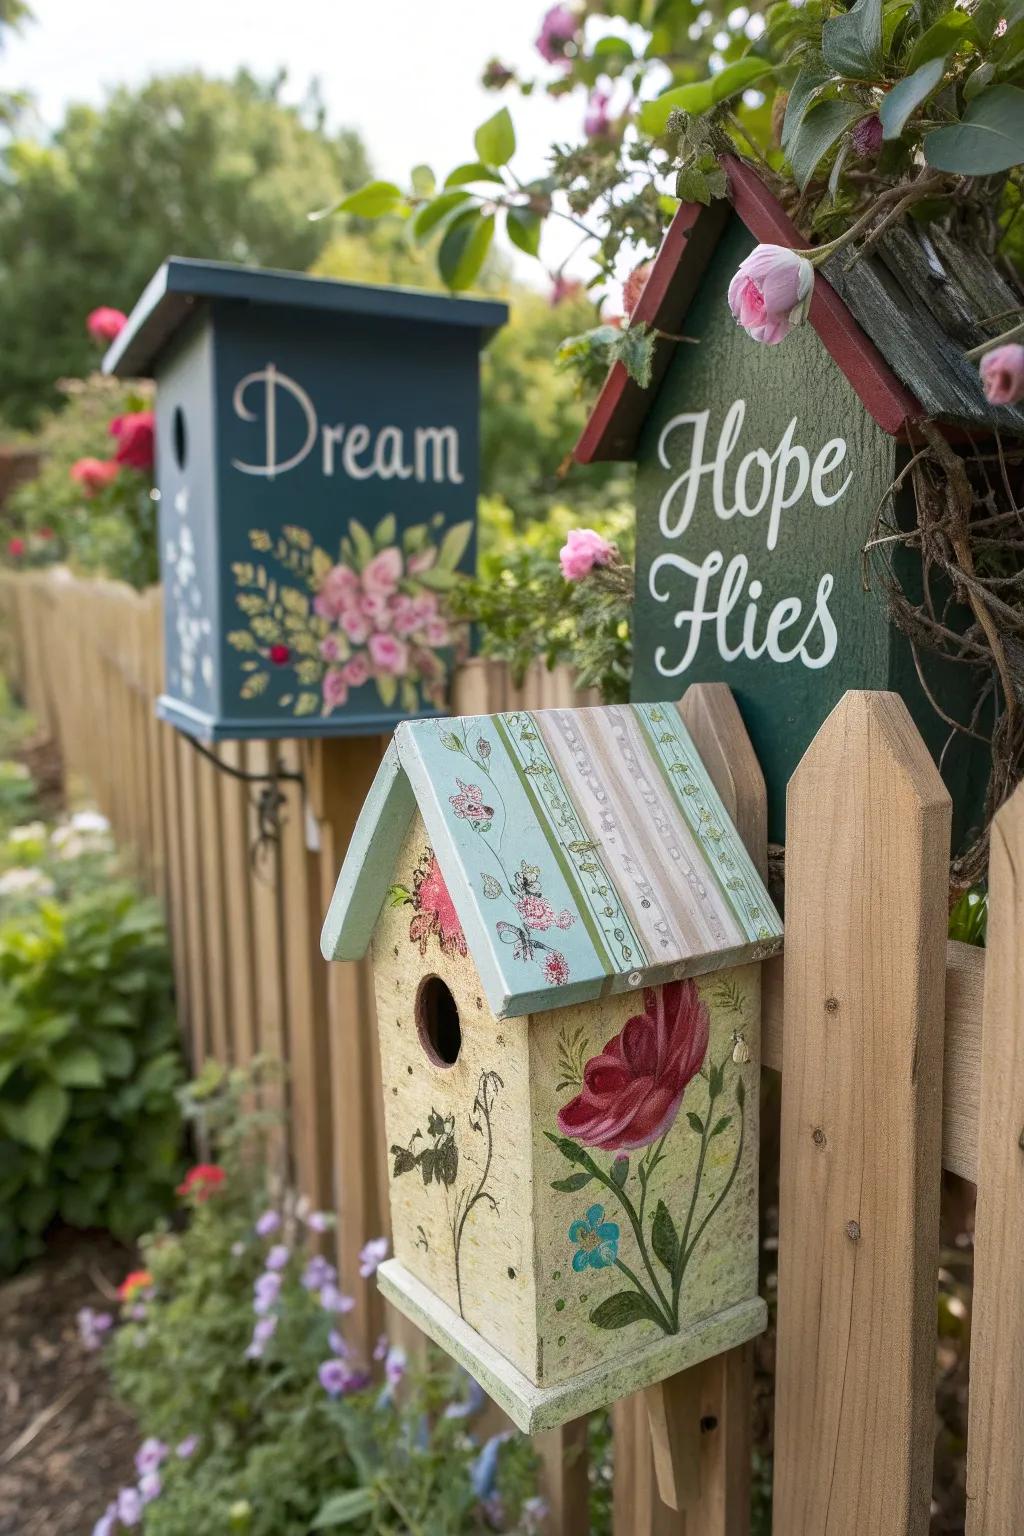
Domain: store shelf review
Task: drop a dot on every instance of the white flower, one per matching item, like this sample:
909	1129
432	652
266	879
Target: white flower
90	821
31	832
26	882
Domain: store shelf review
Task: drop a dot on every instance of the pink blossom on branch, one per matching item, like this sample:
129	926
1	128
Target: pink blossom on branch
582	550
104	323
771	292
597	123
634	285
1002	374
563	288
559	28
93	474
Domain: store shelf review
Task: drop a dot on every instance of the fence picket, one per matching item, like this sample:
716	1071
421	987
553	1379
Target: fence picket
995	1445
867	848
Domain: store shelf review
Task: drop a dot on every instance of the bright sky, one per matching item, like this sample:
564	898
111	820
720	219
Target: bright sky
405	73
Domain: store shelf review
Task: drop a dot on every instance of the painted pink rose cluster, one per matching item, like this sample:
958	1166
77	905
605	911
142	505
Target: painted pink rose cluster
771	292
538	913
379	629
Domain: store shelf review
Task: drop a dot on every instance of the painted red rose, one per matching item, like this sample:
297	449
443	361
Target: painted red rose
279	655
632	1091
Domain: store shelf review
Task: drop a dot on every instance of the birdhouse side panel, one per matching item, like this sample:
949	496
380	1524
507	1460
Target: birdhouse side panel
459	1148
185	424
645	1135
759	476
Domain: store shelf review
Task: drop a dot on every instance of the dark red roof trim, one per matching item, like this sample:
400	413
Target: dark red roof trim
614	425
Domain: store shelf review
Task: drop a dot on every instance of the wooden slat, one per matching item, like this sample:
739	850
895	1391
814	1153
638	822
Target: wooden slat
563	1478
995	1445
867	855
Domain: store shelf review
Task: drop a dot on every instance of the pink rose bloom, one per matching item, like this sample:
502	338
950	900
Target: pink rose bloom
556	968
558	28
469	803
339	592
632	1091
134	433
104	324
436	632
356	670
1002	374
330	649
93	474
536	912
404	618
428	665
383	573
597	123
771	292
378	612
335	690
389	654
355	626
582	550
425	607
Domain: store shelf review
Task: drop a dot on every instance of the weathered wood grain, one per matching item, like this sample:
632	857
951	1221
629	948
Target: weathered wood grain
995	1445
869	822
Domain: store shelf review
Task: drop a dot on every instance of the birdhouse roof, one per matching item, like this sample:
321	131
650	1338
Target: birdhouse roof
585	852
182	285
896	322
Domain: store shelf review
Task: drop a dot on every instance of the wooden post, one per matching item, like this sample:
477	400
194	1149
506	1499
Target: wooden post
995	1445
563	1477
866	879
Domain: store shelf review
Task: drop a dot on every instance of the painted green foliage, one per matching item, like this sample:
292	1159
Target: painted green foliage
759	475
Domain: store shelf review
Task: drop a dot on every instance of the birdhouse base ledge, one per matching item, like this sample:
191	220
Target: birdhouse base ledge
532	1408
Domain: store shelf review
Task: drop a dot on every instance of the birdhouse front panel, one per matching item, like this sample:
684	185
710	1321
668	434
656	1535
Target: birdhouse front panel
456	1112
328	456
759	474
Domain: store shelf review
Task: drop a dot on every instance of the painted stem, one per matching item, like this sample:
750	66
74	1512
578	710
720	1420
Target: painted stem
722	1197
663	1317
627	1206
459	1224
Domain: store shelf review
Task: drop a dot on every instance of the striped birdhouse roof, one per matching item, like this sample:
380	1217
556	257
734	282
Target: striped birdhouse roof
585	851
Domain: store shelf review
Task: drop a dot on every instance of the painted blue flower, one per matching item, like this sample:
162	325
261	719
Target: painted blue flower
597	1240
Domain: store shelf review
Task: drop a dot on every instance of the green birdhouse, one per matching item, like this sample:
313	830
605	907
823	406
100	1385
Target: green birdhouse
762	471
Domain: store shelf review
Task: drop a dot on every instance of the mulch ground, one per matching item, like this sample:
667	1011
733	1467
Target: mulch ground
66	1445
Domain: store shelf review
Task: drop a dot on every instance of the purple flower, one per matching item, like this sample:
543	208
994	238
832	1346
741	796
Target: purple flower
149	1487
187	1447
267	1223
371	1255
337	1343
318	1273
597	124
138	1313
129	1506
333	1300
866	137
265	1292
278	1256
381	1347
558	29
92	1326
484	1471
150	1455
262	1333
533	1515
319	1221
472	1403
395	1363
105	1524
338	1378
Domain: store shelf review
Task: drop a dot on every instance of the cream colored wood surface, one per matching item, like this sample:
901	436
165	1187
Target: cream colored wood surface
995	1445
673	1415
868	848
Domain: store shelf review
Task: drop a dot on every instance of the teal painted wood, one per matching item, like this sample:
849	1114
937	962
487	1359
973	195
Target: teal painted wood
585	851
317	449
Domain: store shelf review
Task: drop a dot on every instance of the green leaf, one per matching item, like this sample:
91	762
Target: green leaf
454	545
37	1120
570	1185
989	137
524	227
495	140
372	201
464	248
851	43
398	896
472	171
634	348
721	1125
716	1079
78	1068
939	40
623	1308
422	179
702	95
573	1152
387	689
385	531
692	186
820	129
907	96
809	81
664	1237
361	543
696	1123
433	215
620	1171
343	1508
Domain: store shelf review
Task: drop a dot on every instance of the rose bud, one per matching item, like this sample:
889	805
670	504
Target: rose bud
867	136
1002	374
771	292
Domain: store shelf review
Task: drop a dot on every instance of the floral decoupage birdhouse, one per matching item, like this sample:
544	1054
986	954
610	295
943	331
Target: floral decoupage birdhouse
565	931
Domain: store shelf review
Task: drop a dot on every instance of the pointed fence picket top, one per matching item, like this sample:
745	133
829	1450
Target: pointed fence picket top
868	822
995	1446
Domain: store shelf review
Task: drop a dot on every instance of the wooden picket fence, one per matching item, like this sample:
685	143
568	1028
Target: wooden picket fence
901	1054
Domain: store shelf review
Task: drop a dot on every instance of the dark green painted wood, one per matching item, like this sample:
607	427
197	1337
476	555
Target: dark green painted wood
806	569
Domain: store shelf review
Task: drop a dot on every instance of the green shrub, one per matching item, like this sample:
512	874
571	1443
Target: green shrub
224	1368
89	1122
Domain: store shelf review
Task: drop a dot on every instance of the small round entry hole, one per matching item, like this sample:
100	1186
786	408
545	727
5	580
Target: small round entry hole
179	437
437	1019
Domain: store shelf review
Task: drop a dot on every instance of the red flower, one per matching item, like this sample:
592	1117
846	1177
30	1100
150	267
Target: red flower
15	548
632	1091
435	910
137	1280
202	1181
93	474
134	433
633	287
104	324
279	655
556	968
46	534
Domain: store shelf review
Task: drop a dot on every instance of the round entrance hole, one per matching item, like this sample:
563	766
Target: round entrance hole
179	437
437	1020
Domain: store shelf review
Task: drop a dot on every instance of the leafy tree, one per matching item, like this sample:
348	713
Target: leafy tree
183	165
